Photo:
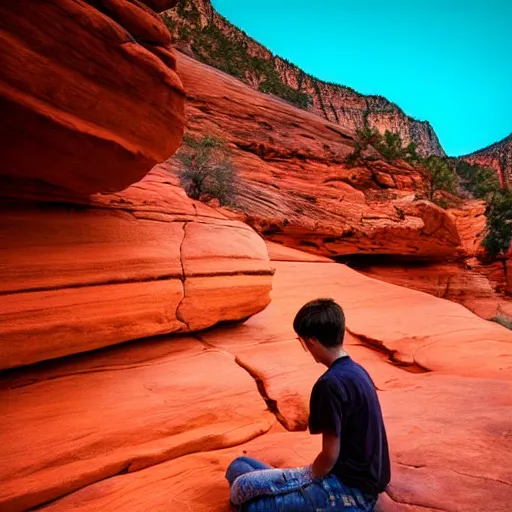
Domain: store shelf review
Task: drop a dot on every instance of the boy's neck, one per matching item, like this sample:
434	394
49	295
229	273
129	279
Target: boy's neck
332	355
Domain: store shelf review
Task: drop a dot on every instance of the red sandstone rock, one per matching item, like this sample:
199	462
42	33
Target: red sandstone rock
448	428
147	261
296	188
85	105
452	281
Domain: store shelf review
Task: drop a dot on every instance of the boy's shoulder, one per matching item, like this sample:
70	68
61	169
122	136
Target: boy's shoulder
343	373
344	368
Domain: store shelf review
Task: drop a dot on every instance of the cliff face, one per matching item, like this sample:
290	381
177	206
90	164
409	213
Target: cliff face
200	31
86	267
296	190
497	156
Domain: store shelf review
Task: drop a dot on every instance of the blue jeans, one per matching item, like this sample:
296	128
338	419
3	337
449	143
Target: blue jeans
256	487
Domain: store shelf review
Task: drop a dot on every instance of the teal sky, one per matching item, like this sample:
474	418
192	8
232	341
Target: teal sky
445	61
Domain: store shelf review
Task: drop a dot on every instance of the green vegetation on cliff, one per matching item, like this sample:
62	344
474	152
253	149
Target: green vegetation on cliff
230	54
389	146
479	181
499	224
449	175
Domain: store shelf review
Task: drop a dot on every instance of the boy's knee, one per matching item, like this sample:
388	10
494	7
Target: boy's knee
237	467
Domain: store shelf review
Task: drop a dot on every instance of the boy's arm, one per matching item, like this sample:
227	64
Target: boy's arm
326	459
325	418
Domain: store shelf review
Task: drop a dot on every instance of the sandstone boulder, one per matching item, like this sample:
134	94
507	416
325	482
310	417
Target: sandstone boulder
89	94
145	262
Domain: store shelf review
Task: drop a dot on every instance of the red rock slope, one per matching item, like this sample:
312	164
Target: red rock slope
298	191
198	29
136	426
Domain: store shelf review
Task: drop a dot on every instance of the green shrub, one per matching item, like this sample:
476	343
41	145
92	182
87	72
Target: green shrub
389	145
479	181
206	171
438	176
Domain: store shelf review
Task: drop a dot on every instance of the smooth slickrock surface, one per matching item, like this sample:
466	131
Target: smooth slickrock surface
89	94
444	377
119	412
145	262
452	281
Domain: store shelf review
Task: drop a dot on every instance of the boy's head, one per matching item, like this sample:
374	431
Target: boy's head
321	321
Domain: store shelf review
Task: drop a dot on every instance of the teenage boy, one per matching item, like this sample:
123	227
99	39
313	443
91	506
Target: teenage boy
353	466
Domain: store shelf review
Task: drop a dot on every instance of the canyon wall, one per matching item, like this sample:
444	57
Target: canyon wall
497	156
200	31
87	111
296	190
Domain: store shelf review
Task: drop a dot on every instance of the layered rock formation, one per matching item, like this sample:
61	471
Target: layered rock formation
497	156
201	31
296	188
100	108
144	262
484	288
138	425
82	270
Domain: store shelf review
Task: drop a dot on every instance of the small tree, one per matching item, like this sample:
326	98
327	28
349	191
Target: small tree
364	138
480	181
389	145
411	155
499	224
438	176
207	171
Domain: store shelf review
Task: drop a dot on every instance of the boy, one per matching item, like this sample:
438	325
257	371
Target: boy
353	466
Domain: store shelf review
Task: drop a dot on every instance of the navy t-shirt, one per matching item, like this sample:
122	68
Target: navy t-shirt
344	402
